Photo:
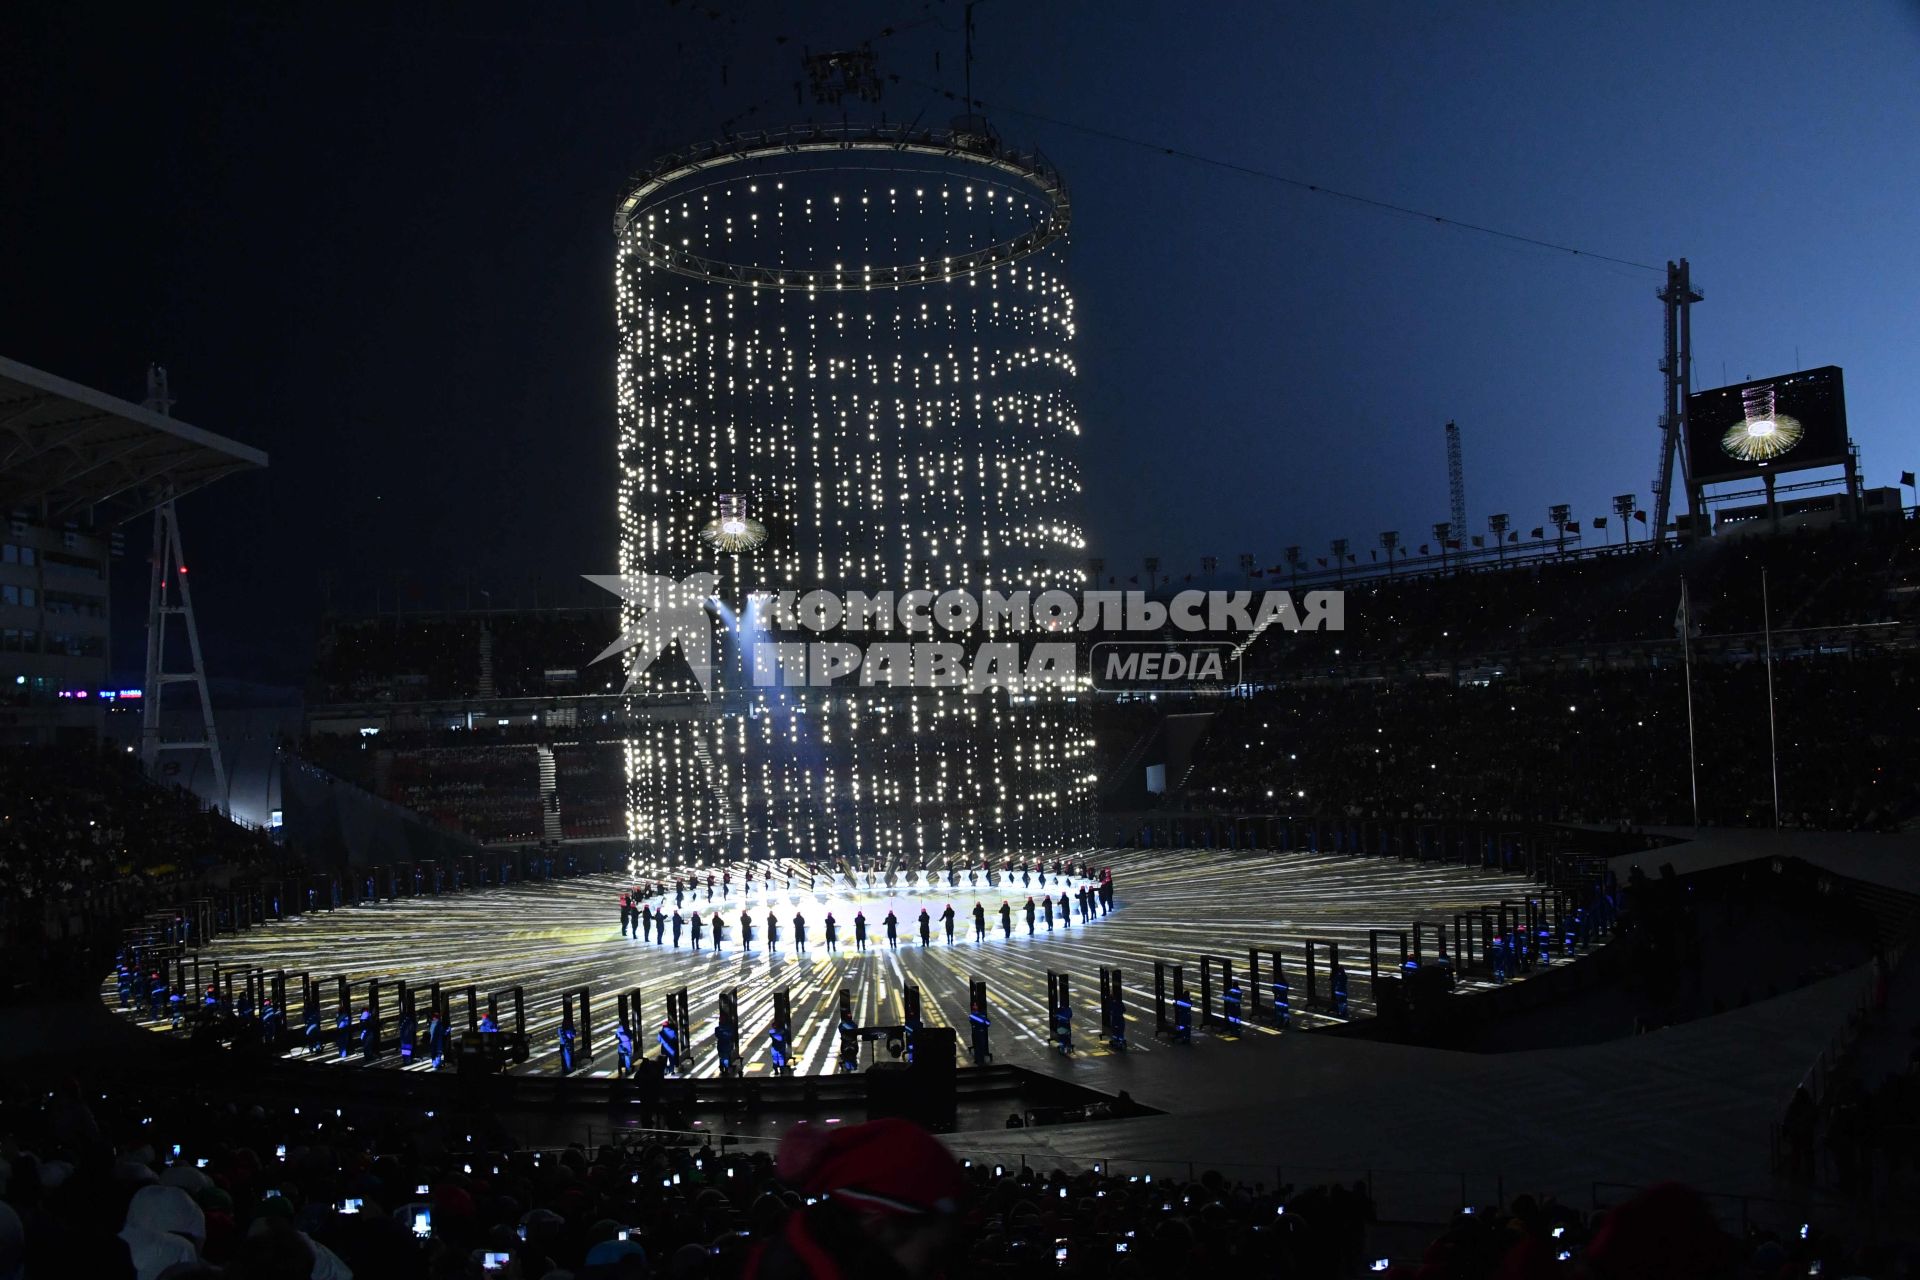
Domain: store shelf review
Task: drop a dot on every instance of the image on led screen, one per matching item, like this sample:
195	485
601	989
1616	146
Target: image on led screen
1774	424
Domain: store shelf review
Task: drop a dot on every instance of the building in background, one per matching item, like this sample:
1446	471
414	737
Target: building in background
79	468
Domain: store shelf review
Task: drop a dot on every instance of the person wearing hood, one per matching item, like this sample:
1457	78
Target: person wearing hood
163	1228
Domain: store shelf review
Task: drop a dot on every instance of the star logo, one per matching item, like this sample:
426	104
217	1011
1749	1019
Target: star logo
670	612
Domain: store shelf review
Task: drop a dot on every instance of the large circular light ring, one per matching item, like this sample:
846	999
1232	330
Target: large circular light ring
1030	168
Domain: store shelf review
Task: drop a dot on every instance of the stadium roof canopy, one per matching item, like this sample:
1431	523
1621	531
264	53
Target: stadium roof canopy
66	449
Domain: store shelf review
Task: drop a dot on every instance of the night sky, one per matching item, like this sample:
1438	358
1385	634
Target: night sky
382	251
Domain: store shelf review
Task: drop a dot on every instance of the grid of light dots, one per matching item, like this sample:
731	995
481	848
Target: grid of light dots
890	438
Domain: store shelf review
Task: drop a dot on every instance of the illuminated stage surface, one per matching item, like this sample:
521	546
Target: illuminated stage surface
1693	1102
1170	904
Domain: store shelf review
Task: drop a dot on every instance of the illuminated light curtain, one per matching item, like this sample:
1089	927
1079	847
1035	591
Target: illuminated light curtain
866	351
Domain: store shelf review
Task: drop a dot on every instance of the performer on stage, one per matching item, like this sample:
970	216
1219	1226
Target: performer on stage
773	932
1066	916
746	930
799	931
626	913
670	1044
1006	919
946	918
1029	915
979	923
893	929
677	922
718	929
859	931
1046	908
833	934
694	920
926	928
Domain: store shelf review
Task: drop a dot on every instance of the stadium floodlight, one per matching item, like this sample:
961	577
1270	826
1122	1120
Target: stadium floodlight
1497	526
1623	506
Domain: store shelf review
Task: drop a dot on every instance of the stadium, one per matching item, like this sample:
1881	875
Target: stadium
870	874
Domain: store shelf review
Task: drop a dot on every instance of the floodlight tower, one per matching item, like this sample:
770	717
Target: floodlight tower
168	597
1676	369
1456	478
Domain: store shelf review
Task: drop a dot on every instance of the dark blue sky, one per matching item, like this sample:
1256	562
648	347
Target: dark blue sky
384	253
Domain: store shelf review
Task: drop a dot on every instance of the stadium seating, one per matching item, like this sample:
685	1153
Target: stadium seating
263	1188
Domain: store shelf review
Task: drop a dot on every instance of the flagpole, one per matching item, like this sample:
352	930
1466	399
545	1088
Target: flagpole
1686	648
1773	733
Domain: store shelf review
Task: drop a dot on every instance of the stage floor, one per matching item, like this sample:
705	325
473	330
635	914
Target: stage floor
1170	905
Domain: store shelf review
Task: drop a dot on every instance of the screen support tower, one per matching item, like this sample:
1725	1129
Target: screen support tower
168	578
1676	369
1456	478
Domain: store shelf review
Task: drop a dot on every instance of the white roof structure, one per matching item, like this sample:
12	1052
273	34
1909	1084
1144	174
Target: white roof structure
65	449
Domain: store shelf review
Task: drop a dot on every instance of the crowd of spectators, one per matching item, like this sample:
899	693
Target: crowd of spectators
1539	610
489	794
592	784
485	784
1604	746
149	1178
451	656
73	817
87	841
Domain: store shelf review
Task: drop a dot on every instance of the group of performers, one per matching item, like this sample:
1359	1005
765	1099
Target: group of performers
694	918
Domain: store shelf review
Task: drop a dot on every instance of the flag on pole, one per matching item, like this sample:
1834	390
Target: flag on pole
1906	478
